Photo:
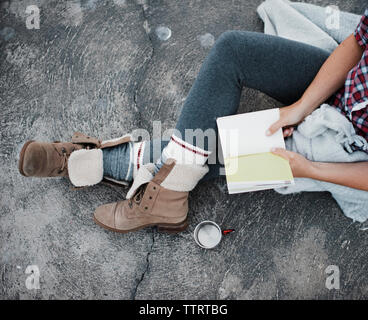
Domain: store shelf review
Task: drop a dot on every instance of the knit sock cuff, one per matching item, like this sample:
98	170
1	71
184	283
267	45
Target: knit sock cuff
138	151
184	153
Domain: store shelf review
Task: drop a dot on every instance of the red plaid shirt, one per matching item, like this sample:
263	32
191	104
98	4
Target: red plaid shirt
352	98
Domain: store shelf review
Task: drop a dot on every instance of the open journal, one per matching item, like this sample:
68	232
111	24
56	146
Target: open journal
249	164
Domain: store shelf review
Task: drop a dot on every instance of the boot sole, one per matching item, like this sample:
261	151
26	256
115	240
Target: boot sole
162	227
21	157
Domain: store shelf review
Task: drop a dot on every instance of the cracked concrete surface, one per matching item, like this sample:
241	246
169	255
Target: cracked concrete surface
146	270
99	66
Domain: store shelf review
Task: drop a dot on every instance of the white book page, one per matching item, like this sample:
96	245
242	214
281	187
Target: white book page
243	134
254	188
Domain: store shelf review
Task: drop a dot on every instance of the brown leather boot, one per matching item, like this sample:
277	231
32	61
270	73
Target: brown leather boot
160	200
80	159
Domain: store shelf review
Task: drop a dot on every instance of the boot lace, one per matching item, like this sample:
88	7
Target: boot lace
137	198
64	158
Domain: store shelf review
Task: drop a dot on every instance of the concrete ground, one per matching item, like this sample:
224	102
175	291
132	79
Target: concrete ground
102	67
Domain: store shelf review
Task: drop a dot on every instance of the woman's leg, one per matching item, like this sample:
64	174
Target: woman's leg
278	67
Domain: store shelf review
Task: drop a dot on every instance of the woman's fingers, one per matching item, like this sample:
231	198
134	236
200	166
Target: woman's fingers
288	132
274	127
282	153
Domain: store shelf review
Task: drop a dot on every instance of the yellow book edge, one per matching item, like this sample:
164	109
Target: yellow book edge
258	169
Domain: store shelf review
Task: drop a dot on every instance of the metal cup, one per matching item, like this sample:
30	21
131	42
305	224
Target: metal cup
207	234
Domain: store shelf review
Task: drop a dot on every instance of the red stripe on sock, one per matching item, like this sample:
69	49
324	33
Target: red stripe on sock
139	155
188	148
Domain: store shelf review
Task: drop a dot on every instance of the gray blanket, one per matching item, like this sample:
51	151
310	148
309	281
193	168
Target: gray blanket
328	136
323	27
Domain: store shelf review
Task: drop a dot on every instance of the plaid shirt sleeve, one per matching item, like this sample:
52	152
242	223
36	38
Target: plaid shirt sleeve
361	32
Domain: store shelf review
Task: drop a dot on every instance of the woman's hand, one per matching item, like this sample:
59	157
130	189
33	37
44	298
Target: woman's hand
349	174
300	166
330	77
289	116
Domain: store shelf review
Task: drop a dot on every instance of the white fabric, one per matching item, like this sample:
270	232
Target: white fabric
85	167
123	183
131	164
181	178
117	139
328	136
357	107
136	147
144	175
184	177
185	155
323	27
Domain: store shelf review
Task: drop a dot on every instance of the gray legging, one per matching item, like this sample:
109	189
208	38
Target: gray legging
278	67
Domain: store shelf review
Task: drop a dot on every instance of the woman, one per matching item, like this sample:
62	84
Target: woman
298	75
